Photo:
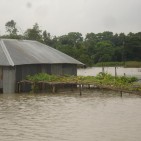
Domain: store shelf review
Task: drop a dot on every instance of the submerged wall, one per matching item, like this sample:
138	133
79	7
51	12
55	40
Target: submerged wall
22	71
9	79
58	69
1	77
12	75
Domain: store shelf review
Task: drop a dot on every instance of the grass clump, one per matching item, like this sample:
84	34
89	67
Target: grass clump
42	77
132	64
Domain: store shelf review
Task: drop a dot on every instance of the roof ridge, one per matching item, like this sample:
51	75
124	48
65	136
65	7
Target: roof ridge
6	53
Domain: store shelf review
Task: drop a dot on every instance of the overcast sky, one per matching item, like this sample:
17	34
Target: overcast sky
62	16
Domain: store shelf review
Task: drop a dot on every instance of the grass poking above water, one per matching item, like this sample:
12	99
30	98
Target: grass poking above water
102	79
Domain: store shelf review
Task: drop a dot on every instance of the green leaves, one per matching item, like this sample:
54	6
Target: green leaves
102	79
42	77
34	33
11	29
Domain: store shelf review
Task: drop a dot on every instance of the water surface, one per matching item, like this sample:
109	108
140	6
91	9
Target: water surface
95	116
93	71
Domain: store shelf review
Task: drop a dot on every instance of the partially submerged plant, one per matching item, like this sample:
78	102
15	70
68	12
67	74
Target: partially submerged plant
121	82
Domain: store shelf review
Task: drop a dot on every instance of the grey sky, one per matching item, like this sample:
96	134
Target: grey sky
62	16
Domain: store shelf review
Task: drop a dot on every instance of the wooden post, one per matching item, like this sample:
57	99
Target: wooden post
121	93
80	89
53	88
115	72
34	87
43	87
71	87
19	87
89	86
103	69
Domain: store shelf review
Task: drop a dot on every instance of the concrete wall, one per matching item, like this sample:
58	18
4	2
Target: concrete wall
1	77
8	80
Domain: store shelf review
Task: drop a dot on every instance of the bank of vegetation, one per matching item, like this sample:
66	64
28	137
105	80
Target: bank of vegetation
102	80
91	49
127	64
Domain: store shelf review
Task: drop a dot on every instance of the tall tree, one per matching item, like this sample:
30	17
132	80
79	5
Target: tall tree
73	39
47	38
104	52
34	33
11	29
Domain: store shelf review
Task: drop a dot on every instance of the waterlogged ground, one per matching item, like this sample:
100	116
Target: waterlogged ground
95	116
93	71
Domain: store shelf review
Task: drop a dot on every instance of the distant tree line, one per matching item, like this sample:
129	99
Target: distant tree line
91	49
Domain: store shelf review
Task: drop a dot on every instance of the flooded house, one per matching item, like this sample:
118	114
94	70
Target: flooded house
19	58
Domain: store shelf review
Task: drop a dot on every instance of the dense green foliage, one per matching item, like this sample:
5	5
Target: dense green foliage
91	49
109	64
127	64
42	77
102	79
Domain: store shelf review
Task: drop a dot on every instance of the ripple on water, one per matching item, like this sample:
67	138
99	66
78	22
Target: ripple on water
96	115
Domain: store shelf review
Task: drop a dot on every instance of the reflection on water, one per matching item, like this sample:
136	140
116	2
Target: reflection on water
95	116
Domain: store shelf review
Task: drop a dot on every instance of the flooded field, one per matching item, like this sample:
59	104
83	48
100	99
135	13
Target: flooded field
95	116
120	71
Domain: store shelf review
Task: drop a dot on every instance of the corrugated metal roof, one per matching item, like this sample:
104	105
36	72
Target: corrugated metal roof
17	52
3	58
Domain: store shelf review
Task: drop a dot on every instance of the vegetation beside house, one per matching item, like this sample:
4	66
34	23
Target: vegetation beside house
101	80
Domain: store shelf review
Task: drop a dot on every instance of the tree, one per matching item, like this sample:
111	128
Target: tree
133	46
90	43
34	33
105	36
47	38
11	29
104	52
73	39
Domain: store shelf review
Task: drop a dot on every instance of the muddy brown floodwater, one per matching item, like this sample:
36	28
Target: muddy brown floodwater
93	71
95	116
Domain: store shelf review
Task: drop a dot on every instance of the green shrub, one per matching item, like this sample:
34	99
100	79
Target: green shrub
102	79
